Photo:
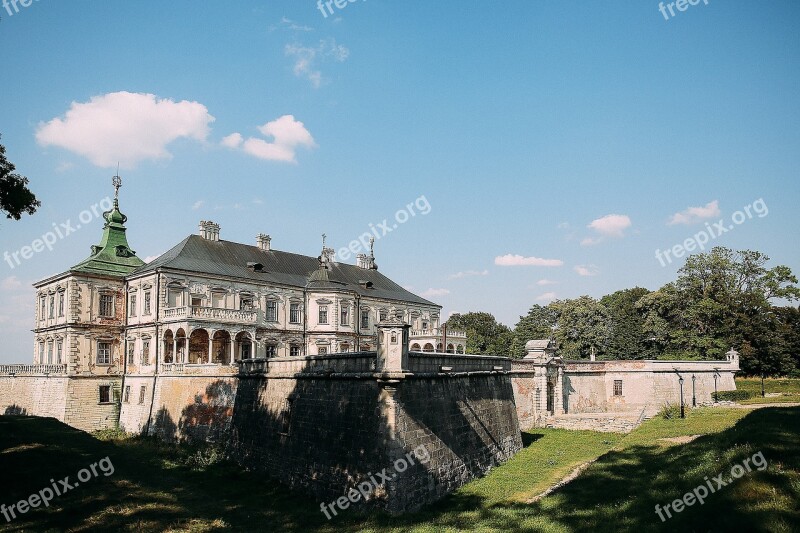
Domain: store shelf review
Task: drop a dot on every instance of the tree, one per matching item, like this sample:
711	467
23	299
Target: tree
15	197
584	326
539	323
627	338
485	335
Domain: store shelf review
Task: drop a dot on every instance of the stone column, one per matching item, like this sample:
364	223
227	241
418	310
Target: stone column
233	351
175	349
210	348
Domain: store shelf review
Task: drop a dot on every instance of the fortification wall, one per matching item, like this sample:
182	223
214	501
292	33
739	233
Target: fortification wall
37	395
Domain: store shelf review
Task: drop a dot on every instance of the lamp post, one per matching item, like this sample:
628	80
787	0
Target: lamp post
716	373
680	380
694	398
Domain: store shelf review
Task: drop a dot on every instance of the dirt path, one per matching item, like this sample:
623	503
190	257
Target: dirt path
762	405
569	477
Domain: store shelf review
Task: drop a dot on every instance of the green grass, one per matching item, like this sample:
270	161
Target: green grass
161	488
788	388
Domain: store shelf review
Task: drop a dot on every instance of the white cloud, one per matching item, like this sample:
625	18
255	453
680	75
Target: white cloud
306	58
287	135
198	204
430	293
692	215
292	25
125	128
234	140
543	282
10	283
518	260
549	296
468	274
587	270
607	226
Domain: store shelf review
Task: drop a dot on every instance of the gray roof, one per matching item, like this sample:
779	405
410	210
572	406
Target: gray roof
226	258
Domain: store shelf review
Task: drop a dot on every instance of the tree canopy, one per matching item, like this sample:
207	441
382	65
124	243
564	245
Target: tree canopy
721	299
15	197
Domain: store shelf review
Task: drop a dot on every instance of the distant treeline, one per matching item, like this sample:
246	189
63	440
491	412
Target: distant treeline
721	300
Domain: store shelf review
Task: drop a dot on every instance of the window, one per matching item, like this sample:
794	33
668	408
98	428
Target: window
106	305
175	297
294	313
127	396
61	303
345	315
105	393
218	299
142	392
383	315
42	304
322	350
147	298
272	311
103	353
197	302
365	318
59	352
146	352
52	306
246	304
323	314
131	351
41	353
294	350
344	347
424	325
50	353
272	350
132	305
617	387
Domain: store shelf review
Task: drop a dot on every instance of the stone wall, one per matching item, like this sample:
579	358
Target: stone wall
588	388
73	400
33	395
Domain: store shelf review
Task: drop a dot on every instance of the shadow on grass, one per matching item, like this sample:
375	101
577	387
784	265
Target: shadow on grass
530	438
151	488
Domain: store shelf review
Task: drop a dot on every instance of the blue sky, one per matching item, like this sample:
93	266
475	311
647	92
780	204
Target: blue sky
558	144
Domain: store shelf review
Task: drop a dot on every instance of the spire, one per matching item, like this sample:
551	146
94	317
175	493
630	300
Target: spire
112	256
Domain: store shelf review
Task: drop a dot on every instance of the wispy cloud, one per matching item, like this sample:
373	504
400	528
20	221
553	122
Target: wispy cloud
430	293
10	283
125	128
518	260
198	204
468	274
693	215
287	135
548	296
587	270
307	59
607	226
289	24
543	282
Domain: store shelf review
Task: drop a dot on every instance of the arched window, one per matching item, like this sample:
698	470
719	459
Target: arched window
415	347
428	347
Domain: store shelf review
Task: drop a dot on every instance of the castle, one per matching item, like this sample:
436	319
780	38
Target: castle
317	372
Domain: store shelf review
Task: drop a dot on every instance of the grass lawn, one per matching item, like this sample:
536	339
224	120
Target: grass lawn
157	487
787	388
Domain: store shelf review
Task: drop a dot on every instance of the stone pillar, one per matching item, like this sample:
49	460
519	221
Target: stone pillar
210	348
232	355
392	346
175	349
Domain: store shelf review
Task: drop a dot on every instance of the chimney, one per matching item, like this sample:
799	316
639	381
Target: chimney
209	230
263	241
361	261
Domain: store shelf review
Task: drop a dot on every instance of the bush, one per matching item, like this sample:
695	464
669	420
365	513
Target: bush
732	395
204	457
670	412
111	434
